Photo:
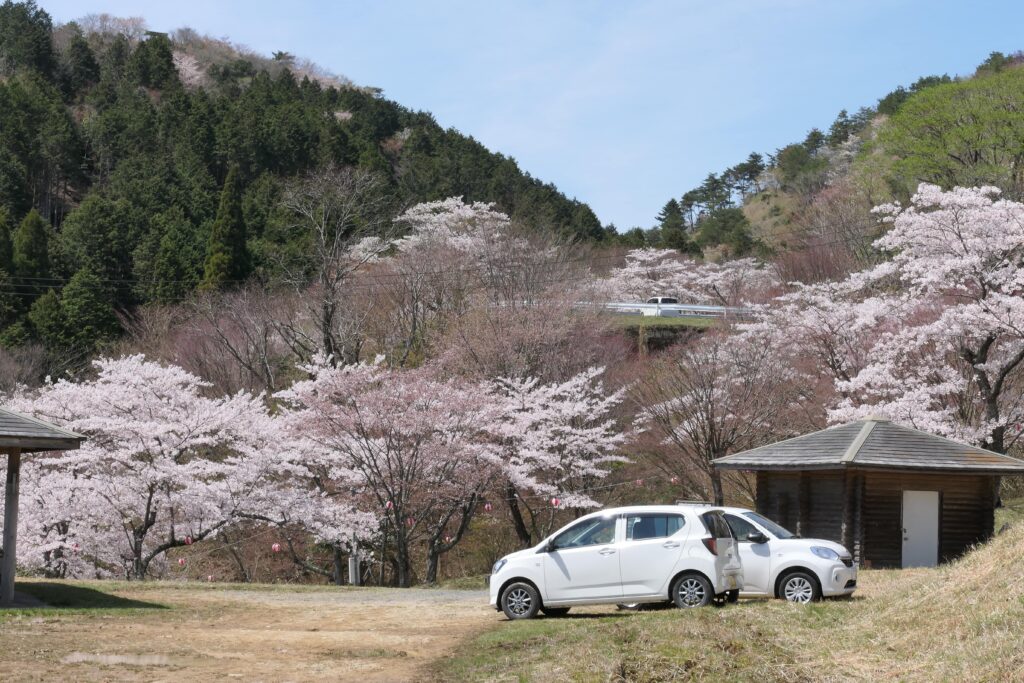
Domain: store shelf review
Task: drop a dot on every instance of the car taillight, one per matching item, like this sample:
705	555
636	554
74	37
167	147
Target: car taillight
712	545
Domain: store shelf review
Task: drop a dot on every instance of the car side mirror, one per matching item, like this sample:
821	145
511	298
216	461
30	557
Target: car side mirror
549	547
757	537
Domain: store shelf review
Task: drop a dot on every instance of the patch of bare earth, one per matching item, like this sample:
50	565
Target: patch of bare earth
250	635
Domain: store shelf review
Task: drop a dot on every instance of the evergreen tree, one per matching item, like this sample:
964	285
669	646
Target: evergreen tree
25	38
672	229
814	140
9	304
841	129
47	319
86	314
727	227
152	63
173	274
227	254
6	248
31	248
79	68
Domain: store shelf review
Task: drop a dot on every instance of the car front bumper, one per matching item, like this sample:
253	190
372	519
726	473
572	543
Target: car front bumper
838	580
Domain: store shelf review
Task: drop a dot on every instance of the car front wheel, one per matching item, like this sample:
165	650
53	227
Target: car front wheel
692	590
520	601
799	587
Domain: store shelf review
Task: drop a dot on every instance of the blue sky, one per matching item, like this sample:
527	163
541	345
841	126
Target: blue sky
621	104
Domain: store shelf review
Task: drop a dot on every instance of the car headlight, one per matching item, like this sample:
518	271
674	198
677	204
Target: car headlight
824	553
498	565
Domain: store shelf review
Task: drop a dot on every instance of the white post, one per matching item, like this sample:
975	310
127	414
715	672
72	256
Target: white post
354	573
10	527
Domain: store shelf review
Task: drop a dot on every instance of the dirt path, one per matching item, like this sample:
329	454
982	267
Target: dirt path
248	635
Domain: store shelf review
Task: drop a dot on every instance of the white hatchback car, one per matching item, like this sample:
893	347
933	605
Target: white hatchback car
648	553
779	564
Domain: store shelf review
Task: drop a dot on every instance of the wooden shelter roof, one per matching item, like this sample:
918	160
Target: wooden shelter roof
29	434
872	443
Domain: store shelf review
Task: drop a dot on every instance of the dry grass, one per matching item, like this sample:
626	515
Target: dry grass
961	622
120	631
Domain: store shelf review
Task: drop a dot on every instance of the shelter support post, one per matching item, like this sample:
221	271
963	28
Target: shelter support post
10	527
803	504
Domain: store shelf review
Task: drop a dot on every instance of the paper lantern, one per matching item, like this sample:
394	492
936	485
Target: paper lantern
555	502
276	547
488	507
409	522
388	505
188	540
639	482
447	539
181	561
209	577
674	480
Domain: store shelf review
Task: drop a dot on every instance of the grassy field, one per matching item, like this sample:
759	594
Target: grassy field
655	322
961	622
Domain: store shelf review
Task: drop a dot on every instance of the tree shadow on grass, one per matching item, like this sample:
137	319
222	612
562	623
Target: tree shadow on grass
70	596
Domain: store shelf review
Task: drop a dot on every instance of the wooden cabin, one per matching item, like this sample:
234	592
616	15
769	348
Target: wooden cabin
893	495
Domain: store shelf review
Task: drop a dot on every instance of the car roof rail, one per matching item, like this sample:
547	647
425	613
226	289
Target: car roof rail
694	502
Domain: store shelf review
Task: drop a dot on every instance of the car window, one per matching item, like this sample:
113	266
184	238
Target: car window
716	524
741	528
598	531
639	527
776	530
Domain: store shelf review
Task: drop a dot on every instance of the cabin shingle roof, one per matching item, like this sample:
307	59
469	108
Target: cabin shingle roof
872	443
29	434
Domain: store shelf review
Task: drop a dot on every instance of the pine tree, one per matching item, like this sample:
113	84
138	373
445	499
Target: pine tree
47	319
227	254
8	300
80	68
31	248
672	228
6	248
173	272
87	314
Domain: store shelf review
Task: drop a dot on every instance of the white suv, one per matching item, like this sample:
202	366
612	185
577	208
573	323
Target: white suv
649	553
777	563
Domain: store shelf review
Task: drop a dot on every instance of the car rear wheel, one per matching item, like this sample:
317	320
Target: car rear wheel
799	587
554	611
692	590
520	601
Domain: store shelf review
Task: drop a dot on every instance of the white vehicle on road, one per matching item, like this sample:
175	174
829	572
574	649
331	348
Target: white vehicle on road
777	563
649	553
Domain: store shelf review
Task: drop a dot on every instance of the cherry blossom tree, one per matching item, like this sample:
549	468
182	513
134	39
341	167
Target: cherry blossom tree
932	337
717	395
663	272
954	366
559	440
163	464
416	443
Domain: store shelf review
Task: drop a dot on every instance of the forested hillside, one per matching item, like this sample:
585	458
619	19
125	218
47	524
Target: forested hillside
138	167
807	205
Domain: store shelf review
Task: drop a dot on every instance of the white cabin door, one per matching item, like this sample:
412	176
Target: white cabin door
920	528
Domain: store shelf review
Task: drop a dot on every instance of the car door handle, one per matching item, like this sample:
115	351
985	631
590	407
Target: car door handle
669	544
607	551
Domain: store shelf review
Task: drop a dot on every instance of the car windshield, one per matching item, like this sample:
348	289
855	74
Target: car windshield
776	530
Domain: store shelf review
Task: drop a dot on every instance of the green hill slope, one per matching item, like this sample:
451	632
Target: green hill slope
121	140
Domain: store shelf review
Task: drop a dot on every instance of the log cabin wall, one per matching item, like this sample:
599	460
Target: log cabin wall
863	509
967	504
807	503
